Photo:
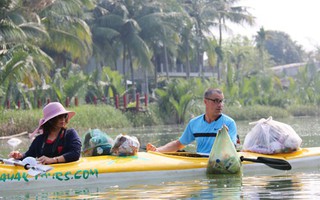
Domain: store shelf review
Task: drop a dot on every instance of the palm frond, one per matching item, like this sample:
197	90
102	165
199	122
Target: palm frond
10	32
34	31
64	8
62	41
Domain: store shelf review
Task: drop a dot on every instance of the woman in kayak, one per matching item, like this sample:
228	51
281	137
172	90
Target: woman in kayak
55	143
204	127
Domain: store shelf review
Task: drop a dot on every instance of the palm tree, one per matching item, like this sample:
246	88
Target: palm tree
22	61
160	22
226	10
202	13
106	50
70	36
69	42
260	41
187	45
118	23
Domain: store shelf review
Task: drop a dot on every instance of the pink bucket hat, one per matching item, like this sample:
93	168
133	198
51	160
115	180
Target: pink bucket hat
50	111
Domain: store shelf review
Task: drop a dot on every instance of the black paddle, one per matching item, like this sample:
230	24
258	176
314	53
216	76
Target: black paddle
271	162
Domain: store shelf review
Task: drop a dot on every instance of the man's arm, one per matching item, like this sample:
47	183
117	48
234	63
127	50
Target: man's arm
170	147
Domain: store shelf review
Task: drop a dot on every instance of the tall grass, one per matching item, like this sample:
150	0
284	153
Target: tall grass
17	121
304	110
149	117
87	117
255	112
100	116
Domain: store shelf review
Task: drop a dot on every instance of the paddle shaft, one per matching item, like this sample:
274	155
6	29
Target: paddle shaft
275	163
15	163
18	163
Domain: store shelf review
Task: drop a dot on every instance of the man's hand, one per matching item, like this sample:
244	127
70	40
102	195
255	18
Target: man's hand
151	147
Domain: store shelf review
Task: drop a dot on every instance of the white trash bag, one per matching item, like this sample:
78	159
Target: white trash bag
125	145
271	137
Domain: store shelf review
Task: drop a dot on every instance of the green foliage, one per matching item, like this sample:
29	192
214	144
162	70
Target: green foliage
5	3
70	36
178	95
45	46
148	117
24	66
104	83
282	49
115	82
74	84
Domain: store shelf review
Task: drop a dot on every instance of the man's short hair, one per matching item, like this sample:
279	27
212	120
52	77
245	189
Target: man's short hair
211	91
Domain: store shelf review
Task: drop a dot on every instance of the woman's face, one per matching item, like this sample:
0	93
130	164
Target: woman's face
60	121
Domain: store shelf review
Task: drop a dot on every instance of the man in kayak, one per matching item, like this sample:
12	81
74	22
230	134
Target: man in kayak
204	127
55	143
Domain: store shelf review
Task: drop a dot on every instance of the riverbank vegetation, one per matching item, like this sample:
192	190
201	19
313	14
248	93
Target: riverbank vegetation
106	117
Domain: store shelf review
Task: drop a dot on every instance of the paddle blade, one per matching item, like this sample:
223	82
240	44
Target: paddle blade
276	163
271	162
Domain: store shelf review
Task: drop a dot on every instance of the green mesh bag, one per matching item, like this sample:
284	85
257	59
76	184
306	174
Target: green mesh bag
223	157
96	142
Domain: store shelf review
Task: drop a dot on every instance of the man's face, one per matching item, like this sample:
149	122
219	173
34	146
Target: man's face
214	104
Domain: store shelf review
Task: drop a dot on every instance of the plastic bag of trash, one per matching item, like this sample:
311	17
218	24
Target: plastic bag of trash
96	143
271	137
125	145
223	157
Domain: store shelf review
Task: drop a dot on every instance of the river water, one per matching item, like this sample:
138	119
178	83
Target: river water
287	185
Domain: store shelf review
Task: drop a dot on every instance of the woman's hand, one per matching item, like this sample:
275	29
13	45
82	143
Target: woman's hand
46	160
16	155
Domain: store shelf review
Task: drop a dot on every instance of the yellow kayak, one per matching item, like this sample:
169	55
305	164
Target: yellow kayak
111	170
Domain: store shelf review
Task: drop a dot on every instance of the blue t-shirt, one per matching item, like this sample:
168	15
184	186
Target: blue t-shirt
204	133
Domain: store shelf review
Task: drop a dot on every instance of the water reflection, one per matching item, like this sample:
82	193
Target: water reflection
220	186
300	186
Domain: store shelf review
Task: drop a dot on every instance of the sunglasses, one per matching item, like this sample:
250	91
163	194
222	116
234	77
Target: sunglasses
216	101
